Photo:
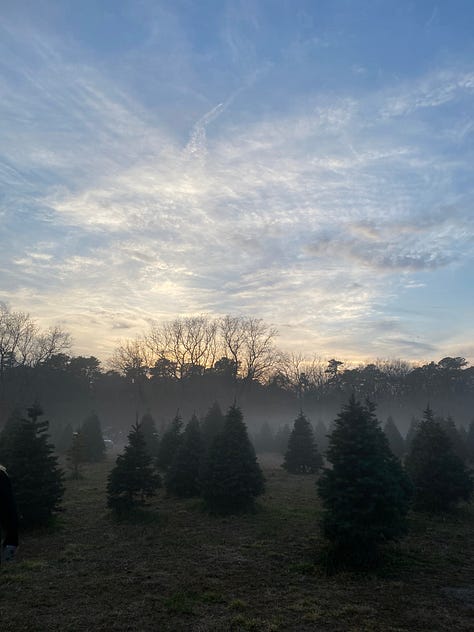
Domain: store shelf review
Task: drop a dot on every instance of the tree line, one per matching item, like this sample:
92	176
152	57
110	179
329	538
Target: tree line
190	362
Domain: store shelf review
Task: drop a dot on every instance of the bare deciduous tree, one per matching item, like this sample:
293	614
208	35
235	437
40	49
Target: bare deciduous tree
22	343
259	351
130	358
191	345
232	332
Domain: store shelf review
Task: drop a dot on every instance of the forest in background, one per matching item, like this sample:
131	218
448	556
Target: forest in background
189	363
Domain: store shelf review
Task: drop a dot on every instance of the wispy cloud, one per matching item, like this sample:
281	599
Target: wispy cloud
317	216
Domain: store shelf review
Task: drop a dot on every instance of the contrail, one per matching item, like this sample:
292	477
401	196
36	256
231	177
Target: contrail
197	142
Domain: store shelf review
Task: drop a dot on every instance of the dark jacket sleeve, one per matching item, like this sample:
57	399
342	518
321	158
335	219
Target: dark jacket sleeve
8	513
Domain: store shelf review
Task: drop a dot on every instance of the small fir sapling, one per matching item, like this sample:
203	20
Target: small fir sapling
134	477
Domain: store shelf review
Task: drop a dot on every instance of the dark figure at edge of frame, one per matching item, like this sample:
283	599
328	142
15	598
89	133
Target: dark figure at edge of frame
8	517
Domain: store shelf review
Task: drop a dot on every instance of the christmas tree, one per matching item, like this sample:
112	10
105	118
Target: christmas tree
212	425
232	478
170	442
440	478
148	428
395	439
302	456
92	439
134	478
365	492
182	477
28	455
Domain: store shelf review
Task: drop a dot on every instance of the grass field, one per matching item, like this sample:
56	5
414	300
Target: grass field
176	568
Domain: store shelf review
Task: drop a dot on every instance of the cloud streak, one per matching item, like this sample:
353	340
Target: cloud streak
317	216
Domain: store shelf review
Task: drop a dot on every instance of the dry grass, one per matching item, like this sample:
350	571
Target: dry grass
176	568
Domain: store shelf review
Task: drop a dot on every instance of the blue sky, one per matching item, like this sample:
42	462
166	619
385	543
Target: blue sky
309	163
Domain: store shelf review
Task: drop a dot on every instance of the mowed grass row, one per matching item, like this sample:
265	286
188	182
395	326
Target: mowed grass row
176	568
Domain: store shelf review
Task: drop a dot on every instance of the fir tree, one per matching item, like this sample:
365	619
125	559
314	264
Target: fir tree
65	439
440	478
282	436
463	436
411	434
365	492
458	445
8	433
75	455
148	428
212	425
133	478
395	439
321	436
93	441
264	439
26	452
182	477
170	442
302	456
232	478
470	442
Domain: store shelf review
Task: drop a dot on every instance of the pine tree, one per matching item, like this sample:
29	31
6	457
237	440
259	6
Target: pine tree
170	442
75	455
133	478
93	441
26	452
365	492
470	442
411	434
463	436
232	477
264	439
65	439
440	478
182	477
395	439
302	456
148	428
282	436
321	436
458	445
212	425
7	434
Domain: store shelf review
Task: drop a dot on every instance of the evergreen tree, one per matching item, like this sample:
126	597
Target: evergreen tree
282	436
458	445
170	442
182	477
463	436
148	428
412	430
264	439
93	441
302	456
232	477
321	436
8	432
75	455
470	442
27	454
440	478
133	477
395	439
212	425
65	439
365	492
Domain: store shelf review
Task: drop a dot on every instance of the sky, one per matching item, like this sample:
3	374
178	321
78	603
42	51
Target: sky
309	163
